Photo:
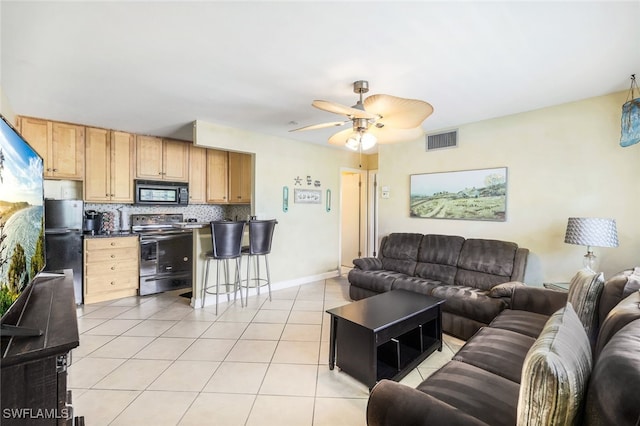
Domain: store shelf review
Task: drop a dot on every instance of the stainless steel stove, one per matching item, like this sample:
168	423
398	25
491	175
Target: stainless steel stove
166	252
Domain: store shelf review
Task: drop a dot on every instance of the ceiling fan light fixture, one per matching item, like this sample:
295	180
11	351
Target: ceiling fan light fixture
361	140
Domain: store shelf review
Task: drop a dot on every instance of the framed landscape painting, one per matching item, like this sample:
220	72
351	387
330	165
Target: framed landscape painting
469	194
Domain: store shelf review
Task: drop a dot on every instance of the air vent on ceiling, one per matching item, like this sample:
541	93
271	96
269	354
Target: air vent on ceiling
442	140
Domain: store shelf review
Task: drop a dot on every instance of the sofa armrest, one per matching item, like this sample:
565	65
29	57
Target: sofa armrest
537	299
368	263
392	404
505	289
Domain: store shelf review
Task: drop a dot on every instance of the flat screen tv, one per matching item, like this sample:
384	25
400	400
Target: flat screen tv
22	249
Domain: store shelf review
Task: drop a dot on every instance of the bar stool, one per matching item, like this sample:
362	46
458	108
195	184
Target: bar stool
226	239
260	236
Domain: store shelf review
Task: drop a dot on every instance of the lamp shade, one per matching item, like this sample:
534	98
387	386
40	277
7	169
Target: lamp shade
591	231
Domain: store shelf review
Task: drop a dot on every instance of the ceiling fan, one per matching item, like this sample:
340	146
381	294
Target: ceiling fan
379	118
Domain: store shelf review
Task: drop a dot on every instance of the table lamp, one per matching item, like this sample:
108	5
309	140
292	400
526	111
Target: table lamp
591	231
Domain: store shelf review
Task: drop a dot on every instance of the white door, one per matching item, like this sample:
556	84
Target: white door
353	216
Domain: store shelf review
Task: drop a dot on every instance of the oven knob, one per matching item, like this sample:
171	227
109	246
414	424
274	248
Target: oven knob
185	259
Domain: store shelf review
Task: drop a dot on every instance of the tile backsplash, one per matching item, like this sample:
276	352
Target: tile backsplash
200	212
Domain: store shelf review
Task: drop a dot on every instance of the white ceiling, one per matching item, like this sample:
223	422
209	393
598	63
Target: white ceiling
155	67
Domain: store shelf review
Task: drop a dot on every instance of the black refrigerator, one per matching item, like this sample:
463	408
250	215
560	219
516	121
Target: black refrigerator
63	239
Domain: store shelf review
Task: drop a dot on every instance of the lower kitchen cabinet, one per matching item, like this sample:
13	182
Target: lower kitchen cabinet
111	268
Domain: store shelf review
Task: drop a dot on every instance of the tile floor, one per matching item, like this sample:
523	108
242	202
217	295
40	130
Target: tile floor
156	361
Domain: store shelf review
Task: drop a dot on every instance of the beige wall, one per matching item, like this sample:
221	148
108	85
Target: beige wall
306	241
5	108
562	161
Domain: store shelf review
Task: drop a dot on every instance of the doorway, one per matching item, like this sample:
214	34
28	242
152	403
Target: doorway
358	218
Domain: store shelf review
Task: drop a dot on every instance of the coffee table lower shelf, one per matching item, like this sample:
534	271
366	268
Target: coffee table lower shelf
410	358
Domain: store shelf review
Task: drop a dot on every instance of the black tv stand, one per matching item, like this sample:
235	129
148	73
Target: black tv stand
17	331
33	382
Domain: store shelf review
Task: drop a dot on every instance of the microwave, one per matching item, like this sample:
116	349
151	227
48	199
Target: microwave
152	192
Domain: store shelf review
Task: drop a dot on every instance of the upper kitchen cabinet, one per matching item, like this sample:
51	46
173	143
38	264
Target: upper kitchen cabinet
61	145
239	178
197	175
109	157
162	159
217	176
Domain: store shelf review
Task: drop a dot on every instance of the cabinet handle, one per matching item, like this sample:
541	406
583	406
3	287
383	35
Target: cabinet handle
113	268
113	244
113	256
113	283
55	170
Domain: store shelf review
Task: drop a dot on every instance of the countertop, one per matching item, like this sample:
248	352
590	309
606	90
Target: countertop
111	235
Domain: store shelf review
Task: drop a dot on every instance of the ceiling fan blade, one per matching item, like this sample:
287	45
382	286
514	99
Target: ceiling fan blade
342	109
398	112
321	126
340	138
392	135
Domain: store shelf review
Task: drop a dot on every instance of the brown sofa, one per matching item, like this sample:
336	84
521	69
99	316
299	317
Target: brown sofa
469	273
535	364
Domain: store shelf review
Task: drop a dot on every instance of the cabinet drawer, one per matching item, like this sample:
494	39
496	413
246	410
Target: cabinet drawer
110	268
108	283
120	255
110	243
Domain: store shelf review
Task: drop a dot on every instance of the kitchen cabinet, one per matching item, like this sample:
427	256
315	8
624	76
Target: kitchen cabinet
239	178
109	159
61	145
162	159
111	268
217	176
197	175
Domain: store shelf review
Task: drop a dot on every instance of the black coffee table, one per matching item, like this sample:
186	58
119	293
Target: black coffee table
385	336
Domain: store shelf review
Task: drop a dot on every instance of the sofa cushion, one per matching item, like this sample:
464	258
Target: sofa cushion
584	293
613	397
622	314
485	263
523	322
501	352
556	372
399	252
378	281
415	284
465	386
469	302
617	288
438	257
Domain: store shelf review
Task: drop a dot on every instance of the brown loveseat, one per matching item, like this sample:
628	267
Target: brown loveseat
538	363
469	273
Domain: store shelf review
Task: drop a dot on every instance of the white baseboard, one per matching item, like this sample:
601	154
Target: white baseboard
196	302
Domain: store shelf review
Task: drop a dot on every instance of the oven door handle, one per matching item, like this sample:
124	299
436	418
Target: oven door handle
151	239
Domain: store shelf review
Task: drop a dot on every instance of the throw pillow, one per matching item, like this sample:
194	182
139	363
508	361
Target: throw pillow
584	295
555	372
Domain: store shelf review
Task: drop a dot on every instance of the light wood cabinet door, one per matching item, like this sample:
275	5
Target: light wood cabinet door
175	159
217	176
109	166
148	157
122	165
67	151
239	178
61	145
111	268
97	185
38	133
197	175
